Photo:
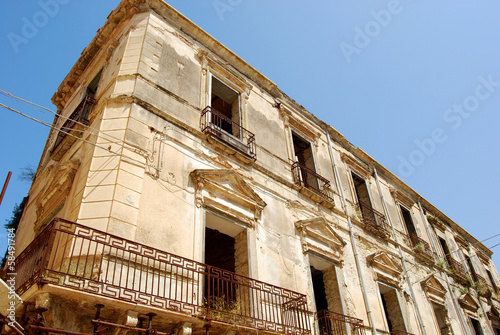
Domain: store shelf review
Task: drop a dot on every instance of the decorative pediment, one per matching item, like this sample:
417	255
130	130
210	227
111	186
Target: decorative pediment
401	197
385	268
318	237
493	313
468	303
357	165
227	191
434	290
60	178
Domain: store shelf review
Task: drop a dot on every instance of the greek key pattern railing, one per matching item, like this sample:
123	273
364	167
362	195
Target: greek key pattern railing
229	132
81	258
373	219
421	246
79	115
330	323
310	179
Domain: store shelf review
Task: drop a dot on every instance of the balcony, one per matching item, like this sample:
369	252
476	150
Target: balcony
229	133
80	258
74	125
458	270
421	247
373	219
330	323
482	287
400	332
318	186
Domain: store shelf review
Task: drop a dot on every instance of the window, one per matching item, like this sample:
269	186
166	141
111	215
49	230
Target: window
446	251
225	103
225	249
495	288
476	326
440	315
410	227
222	120
391	308
373	219
303	156
471	269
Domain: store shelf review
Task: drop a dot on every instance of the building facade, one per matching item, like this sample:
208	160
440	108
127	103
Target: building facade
181	191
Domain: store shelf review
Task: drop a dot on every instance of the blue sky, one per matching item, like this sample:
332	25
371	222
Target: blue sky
415	84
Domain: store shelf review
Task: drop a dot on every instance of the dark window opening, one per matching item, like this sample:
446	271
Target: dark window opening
495	288
440	314
319	289
219	250
471	268
363	199
361	190
391	308
225	101
477	326
303	155
386	312
410	226
226	256
94	84
446	251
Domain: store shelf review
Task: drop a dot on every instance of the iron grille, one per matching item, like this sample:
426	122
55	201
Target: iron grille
218	125
330	323
373	218
70	255
311	180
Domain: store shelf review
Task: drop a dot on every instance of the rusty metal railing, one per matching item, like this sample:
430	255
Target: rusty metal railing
373	218
229	132
421	246
330	323
308	178
482	286
457	268
71	255
79	116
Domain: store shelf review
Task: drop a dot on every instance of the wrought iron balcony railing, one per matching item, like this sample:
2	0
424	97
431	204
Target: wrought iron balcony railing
79	117
70	255
330	323
482	286
421	246
458	269
228	132
373	219
311	180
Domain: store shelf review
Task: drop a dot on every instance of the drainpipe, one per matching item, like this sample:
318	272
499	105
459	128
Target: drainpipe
454	299
405	269
353	241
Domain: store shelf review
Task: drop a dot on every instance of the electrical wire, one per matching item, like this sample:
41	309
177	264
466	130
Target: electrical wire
76	137
92	130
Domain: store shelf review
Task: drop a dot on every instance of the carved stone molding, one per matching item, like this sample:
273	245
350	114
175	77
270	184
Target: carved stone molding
385	268
434	290
53	195
226	191
402	198
357	165
468	303
318	237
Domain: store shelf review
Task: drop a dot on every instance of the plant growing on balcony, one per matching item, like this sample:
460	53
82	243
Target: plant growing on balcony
419	247
440	263
222	309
